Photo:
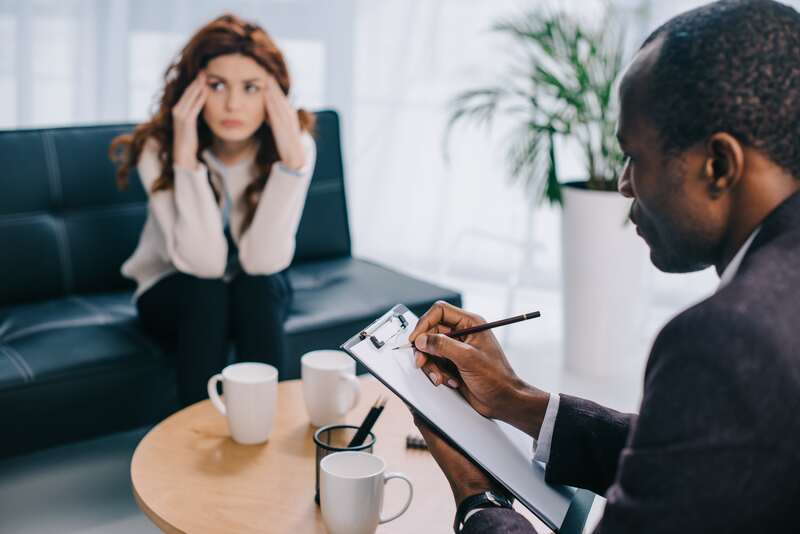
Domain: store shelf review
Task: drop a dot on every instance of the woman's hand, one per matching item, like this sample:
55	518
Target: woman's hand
285	124
184	121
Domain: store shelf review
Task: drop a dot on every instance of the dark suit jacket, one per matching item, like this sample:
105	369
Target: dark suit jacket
716	445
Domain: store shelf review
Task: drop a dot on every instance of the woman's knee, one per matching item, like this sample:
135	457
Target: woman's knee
190	286
274	287
207	296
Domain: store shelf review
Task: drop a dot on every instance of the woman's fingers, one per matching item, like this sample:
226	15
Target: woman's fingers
187	96
198	102
269	96
190	94
184	115
278	107
285	125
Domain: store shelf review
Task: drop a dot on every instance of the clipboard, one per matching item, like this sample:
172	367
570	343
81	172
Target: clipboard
503	451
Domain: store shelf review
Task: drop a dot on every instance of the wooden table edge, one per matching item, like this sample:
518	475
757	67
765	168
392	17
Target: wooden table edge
155	518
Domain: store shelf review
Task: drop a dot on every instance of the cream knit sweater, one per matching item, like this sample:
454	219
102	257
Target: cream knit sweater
184	227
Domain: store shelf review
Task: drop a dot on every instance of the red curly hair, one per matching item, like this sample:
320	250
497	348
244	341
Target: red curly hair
224	35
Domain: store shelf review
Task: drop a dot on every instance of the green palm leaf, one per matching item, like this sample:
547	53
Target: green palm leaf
562	87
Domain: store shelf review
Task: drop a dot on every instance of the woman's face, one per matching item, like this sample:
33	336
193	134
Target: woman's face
235	109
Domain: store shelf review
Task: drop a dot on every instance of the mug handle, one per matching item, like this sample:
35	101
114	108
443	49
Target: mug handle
214	396
386	478
355	386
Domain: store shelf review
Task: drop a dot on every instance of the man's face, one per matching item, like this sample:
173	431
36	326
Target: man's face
672	207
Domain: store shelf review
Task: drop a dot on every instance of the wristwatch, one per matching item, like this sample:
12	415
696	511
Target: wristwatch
487	499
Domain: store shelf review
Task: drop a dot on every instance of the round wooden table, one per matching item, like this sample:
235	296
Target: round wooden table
188	475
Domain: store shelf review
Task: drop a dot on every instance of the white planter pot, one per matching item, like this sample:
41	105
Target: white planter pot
603	263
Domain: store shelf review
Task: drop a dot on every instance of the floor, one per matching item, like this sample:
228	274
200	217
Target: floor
85	487
82	487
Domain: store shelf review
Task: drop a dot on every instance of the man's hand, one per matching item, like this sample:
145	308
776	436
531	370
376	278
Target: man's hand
482	375
465	478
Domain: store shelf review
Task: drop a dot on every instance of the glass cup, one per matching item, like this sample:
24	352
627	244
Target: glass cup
334	438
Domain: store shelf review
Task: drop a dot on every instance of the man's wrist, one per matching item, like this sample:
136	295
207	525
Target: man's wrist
477	502
467	489
524	408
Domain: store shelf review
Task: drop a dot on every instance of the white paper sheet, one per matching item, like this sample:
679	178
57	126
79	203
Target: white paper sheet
500	449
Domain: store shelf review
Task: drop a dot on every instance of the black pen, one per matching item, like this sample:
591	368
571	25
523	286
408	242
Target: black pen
368	423
482	327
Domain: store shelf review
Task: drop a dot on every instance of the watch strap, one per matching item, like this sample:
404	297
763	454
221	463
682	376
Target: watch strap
487	499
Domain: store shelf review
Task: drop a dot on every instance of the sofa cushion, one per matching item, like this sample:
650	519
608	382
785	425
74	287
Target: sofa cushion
81	368
65	362
72	335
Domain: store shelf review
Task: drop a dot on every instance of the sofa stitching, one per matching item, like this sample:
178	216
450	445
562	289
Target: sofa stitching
21	365
16	364
91	371
53	172
84	321
131	334
26	217
99	312
57	192
63	250
106	211
5	327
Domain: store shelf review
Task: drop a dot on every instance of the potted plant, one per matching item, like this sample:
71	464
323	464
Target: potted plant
560	96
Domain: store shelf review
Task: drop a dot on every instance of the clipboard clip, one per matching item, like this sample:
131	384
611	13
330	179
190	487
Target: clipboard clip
376	327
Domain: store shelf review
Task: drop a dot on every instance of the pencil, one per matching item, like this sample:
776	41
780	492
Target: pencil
482	327
368	423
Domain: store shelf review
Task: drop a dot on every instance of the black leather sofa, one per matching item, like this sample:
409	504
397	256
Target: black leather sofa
73	360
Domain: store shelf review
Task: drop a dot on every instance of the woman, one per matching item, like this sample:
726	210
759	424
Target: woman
226	163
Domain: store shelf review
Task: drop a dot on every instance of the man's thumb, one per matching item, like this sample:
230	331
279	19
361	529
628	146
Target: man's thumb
442	345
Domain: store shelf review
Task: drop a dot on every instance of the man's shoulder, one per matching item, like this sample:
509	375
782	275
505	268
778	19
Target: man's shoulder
761	298
746	323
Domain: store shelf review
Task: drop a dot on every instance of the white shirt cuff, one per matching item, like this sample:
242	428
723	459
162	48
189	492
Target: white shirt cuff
542	445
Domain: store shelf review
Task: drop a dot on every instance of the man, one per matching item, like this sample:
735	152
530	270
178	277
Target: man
710	124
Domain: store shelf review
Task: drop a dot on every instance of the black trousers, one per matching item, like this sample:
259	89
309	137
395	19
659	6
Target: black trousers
196	317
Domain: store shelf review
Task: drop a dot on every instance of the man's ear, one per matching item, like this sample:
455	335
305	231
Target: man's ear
724	163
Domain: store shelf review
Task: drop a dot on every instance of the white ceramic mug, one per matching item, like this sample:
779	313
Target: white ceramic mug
251	393
330	386
351	492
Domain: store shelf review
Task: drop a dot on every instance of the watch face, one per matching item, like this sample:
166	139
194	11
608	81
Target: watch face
498	498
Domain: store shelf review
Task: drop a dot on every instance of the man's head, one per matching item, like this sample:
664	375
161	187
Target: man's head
710	122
